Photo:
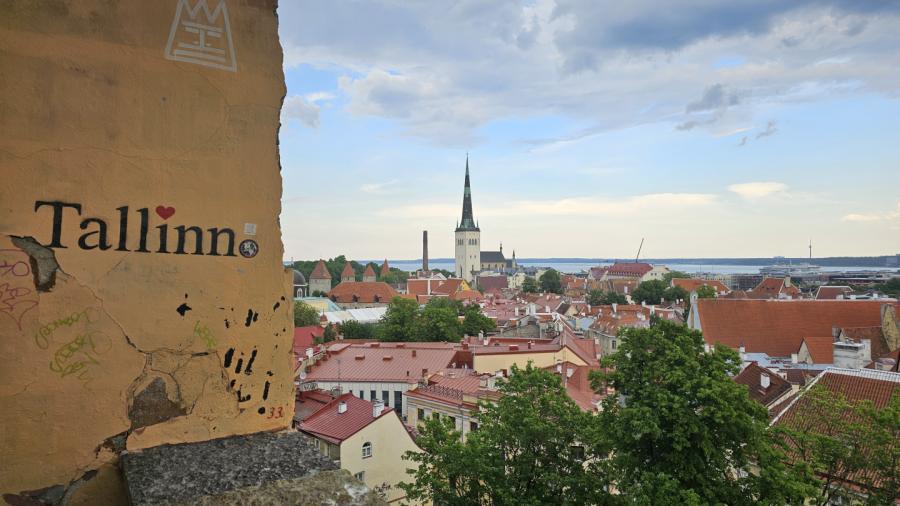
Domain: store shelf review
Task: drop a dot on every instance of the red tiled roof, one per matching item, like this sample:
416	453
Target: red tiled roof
304	336
777	327
320	271
493	282
382	362
771	288
632	269
366	292
855	385
832	292
333	426
309	402
385	268
437	286
751	377
578	386
692	284
874	333
348	271
821	349
470	295
370	272
450	390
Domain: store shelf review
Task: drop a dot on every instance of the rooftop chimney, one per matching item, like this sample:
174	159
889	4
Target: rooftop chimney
425	250
377	408
342	407
764	381
414	353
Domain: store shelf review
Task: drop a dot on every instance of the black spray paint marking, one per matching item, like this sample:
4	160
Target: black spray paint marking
276	306
228	356
227	325
261	411
249	370
269	373
232	383
266	391
239	366
183	308
251	317
242	398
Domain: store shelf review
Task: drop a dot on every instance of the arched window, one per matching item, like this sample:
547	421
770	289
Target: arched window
367	450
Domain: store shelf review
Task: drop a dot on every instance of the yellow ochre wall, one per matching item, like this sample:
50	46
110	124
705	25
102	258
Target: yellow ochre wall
129	343
390	441
493	363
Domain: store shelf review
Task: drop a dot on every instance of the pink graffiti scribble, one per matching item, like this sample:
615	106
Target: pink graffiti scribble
17	296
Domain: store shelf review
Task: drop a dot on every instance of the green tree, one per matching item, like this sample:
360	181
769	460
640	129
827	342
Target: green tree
395	276
706	292
551	282
305	315
476	322
891	287
352	329
681	431
437	323
529	285
397	322
669	276
529	450
674	293
446	302
651	292
329	334
599	297
833	442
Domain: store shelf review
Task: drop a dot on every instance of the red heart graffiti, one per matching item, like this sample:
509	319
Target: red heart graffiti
165	212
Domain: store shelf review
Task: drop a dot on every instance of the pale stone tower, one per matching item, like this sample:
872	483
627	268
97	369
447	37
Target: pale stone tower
468	237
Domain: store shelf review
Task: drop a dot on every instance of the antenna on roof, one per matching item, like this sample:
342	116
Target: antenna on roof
810	249
639	250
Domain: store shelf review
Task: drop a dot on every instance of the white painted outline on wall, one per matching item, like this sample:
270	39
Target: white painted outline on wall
202	54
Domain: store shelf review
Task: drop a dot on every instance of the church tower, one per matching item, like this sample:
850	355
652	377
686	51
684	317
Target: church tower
468	237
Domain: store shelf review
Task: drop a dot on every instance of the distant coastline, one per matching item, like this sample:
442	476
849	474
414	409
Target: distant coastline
876	261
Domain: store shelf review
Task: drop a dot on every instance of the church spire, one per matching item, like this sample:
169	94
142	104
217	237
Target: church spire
468	220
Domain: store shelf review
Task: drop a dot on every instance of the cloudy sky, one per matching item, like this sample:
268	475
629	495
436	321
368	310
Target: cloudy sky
710	128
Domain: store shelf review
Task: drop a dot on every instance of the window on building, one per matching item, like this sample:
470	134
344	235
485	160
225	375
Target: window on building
453	421
613	344
361	476
372	395
361	394
420	414
367	450
386	397
473	426
435	415
398	401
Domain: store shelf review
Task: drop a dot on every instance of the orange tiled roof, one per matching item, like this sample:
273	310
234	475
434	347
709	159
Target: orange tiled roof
771	288
334	426
631	269
777	327
366	292
832	292
385	268
348	271
320	271
821	349
387	362
692	284
751	377
370	272
438	286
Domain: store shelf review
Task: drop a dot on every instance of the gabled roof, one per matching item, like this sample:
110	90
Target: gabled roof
493	282
494	257
772	288
777	327
329	424
632	269
304	336
833	292
437	286
388	362
370	272
320	271
366	292
693	284
820	348
348	271
752	377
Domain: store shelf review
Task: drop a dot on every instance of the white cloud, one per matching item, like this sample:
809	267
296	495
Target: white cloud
758	190
377	187
888	216
299	108
579	206
444	71
318	96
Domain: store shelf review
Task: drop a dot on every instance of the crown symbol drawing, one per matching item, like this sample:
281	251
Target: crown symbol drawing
202	35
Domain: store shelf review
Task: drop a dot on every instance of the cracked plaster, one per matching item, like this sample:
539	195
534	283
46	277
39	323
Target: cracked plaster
98	117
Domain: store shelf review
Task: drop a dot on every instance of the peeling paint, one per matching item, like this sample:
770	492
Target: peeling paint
120	223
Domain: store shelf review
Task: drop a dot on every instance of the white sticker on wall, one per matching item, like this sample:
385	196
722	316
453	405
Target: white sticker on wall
249	228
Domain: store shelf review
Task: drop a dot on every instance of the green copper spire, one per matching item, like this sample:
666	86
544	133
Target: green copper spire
468	220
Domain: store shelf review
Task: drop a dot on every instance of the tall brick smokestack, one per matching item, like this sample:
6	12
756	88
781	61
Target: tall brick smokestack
425	250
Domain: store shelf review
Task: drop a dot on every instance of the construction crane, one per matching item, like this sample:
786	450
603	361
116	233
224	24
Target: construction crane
639	250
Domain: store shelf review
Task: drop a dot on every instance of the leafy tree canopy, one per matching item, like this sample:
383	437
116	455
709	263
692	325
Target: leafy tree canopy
669	276
682	431
599	297
706	292
305	315
530	285
550	282
529	449
352	329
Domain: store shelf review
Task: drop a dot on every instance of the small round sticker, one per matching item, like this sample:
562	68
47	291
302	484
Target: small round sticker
248	248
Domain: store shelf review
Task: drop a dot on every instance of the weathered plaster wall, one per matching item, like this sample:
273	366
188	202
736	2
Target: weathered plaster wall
119	123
